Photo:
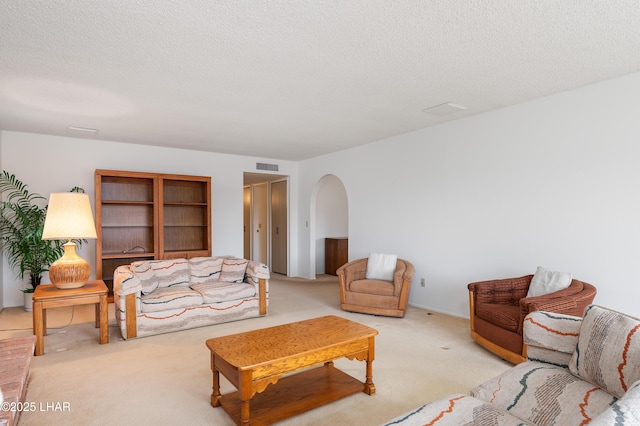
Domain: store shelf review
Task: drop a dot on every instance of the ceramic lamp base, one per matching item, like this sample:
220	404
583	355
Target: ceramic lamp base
70	271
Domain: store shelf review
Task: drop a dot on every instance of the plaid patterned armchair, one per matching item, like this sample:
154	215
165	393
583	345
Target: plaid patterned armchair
497	310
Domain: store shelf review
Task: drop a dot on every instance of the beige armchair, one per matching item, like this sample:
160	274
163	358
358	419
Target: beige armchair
378	297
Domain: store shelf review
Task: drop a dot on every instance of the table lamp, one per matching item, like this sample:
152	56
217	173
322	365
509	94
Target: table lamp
69	216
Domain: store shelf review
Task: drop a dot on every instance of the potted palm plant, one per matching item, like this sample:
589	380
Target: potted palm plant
22	216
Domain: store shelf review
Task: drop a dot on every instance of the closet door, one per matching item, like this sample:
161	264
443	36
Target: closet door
259	222
279	227
246	195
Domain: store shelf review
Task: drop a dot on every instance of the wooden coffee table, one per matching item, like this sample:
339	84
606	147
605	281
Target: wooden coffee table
49	296
256	361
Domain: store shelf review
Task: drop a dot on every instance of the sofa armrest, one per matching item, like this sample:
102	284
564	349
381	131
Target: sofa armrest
258	270
127	290
625	411
258	274
125	281
551	337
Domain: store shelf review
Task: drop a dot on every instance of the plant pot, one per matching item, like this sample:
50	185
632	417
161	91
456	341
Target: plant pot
28	302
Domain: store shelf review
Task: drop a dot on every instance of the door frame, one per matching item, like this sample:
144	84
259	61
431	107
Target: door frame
268	179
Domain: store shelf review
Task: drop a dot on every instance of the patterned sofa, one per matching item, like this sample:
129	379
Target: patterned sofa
578	371
159	296
15	364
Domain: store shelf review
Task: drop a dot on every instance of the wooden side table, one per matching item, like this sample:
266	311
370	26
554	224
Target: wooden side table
49	296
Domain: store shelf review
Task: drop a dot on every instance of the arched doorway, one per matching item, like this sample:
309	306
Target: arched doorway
329	218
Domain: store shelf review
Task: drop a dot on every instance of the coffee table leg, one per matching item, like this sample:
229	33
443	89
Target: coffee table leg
369	387
245	393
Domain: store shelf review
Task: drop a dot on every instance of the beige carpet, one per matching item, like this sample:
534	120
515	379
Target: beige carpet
166	379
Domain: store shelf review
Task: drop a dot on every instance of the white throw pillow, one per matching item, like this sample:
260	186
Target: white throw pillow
545	282
381	266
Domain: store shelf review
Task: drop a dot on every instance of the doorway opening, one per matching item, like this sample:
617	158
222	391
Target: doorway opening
266	224
329	219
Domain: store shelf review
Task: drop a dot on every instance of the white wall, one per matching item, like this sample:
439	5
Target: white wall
553	182
49	163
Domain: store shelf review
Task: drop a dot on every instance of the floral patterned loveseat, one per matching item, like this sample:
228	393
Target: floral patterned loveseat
159	296
578	371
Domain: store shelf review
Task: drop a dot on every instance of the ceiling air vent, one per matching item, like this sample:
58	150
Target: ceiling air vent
265	166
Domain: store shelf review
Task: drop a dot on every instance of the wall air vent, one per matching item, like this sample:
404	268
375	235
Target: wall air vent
265	166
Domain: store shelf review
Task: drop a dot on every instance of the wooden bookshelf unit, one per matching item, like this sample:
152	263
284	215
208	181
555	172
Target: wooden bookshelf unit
149	216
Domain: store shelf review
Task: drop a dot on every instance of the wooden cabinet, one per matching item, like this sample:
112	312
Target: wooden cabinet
149	216
336	254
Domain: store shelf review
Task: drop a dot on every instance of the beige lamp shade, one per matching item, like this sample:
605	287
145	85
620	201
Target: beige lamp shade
69	216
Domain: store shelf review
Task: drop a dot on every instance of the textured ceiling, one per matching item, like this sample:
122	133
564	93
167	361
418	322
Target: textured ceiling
294	79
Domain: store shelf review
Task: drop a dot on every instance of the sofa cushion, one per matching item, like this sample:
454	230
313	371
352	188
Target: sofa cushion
164	298
233	270
456	409
224	292
205	269
545	282
155	274
544	394
381	266
608	349
503	315
625	411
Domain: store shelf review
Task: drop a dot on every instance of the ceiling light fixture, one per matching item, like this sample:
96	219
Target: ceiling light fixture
84	131
444	109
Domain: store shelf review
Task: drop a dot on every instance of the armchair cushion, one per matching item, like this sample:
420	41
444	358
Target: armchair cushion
545	282
504	316
607	344
379	287
381	266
